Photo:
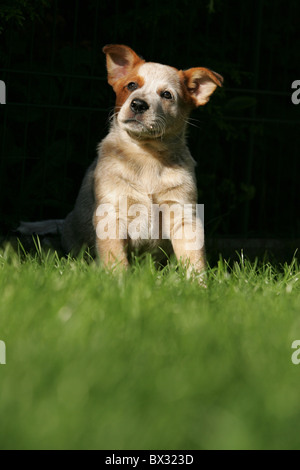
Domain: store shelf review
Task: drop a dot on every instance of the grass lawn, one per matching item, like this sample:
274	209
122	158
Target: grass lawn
147	359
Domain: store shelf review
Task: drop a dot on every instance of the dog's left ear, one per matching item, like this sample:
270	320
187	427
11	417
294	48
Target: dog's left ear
120	60
201	83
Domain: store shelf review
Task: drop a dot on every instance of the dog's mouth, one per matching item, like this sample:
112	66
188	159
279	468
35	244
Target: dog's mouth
139	128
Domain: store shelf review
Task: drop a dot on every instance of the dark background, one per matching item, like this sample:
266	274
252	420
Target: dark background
246	140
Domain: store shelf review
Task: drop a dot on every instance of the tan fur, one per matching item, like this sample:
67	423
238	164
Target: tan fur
144	157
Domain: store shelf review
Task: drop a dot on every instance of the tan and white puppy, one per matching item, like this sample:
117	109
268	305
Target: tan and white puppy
144	159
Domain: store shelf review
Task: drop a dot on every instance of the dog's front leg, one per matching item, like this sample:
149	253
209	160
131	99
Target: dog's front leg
110	244
187	239
112	253
193	260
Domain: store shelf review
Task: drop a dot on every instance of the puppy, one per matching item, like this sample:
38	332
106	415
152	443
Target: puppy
143	165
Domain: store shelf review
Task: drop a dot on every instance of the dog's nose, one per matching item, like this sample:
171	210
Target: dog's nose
139	106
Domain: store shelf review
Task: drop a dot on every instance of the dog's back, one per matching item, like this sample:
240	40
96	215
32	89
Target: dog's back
78	229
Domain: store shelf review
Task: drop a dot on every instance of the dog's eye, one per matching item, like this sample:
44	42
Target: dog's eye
166	95
132	86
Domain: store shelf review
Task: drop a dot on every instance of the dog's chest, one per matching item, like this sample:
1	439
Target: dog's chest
154	181
150	179
143	178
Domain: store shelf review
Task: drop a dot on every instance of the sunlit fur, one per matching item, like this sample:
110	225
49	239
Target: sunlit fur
144	156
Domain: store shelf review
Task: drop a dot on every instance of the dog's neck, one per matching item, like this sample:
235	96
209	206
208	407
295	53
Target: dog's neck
166	148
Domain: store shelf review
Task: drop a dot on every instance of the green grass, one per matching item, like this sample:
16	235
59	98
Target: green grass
147	359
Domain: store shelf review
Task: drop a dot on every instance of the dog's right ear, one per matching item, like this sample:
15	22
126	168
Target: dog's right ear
120	60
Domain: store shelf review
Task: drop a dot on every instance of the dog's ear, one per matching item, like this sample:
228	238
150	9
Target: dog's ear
120	60
201	83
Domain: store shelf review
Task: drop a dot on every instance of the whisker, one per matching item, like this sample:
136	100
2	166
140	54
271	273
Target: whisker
188	121
194	119
113	112
192	124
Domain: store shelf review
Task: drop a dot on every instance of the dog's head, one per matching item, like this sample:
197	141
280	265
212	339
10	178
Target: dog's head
154	100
